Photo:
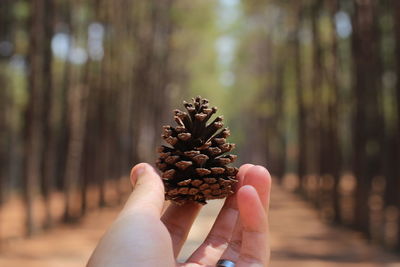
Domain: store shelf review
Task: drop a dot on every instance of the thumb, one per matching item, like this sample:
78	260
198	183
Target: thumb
148	191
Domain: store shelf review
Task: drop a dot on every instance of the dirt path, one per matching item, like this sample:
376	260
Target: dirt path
298	239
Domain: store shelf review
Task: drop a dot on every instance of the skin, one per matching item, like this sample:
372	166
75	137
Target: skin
143	235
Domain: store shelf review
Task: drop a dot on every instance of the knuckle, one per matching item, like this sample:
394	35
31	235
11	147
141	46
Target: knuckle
217	239
250	259
235	245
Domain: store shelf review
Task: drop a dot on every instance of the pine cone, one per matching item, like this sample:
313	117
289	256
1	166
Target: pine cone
196	167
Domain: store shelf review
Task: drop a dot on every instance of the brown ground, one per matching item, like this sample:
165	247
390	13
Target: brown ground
298	239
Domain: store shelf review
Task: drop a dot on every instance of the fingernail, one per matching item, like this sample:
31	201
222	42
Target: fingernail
139	170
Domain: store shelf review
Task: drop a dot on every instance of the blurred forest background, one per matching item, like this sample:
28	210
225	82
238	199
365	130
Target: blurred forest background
309	88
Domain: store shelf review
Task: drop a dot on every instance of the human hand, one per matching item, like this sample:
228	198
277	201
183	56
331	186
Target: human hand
144	236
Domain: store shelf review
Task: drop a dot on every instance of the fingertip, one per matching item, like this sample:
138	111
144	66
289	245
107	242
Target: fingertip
259	177
264	169
266	172
261	170
245	166
148	190
242	172
230	201
246	192
138	170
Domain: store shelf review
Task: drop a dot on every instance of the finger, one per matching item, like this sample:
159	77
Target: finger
148	191
253	251
217	240
241	174
260	179
179	220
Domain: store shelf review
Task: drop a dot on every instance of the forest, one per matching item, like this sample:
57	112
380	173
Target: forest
309	88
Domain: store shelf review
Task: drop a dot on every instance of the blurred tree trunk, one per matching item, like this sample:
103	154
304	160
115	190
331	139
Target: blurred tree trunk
62	139
90	166
3	144
64	85
107	142
105	110
396	16
90	150
302	154
333	151
49	119
367	120
5	99
5	109
77	99
264	127
103	144
123	98
279	104
144	91
75	115
84	174
317	107
34	112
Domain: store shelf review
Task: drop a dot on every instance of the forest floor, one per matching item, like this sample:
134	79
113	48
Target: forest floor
298	239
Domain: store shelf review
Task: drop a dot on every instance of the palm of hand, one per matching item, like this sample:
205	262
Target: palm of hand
141	236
